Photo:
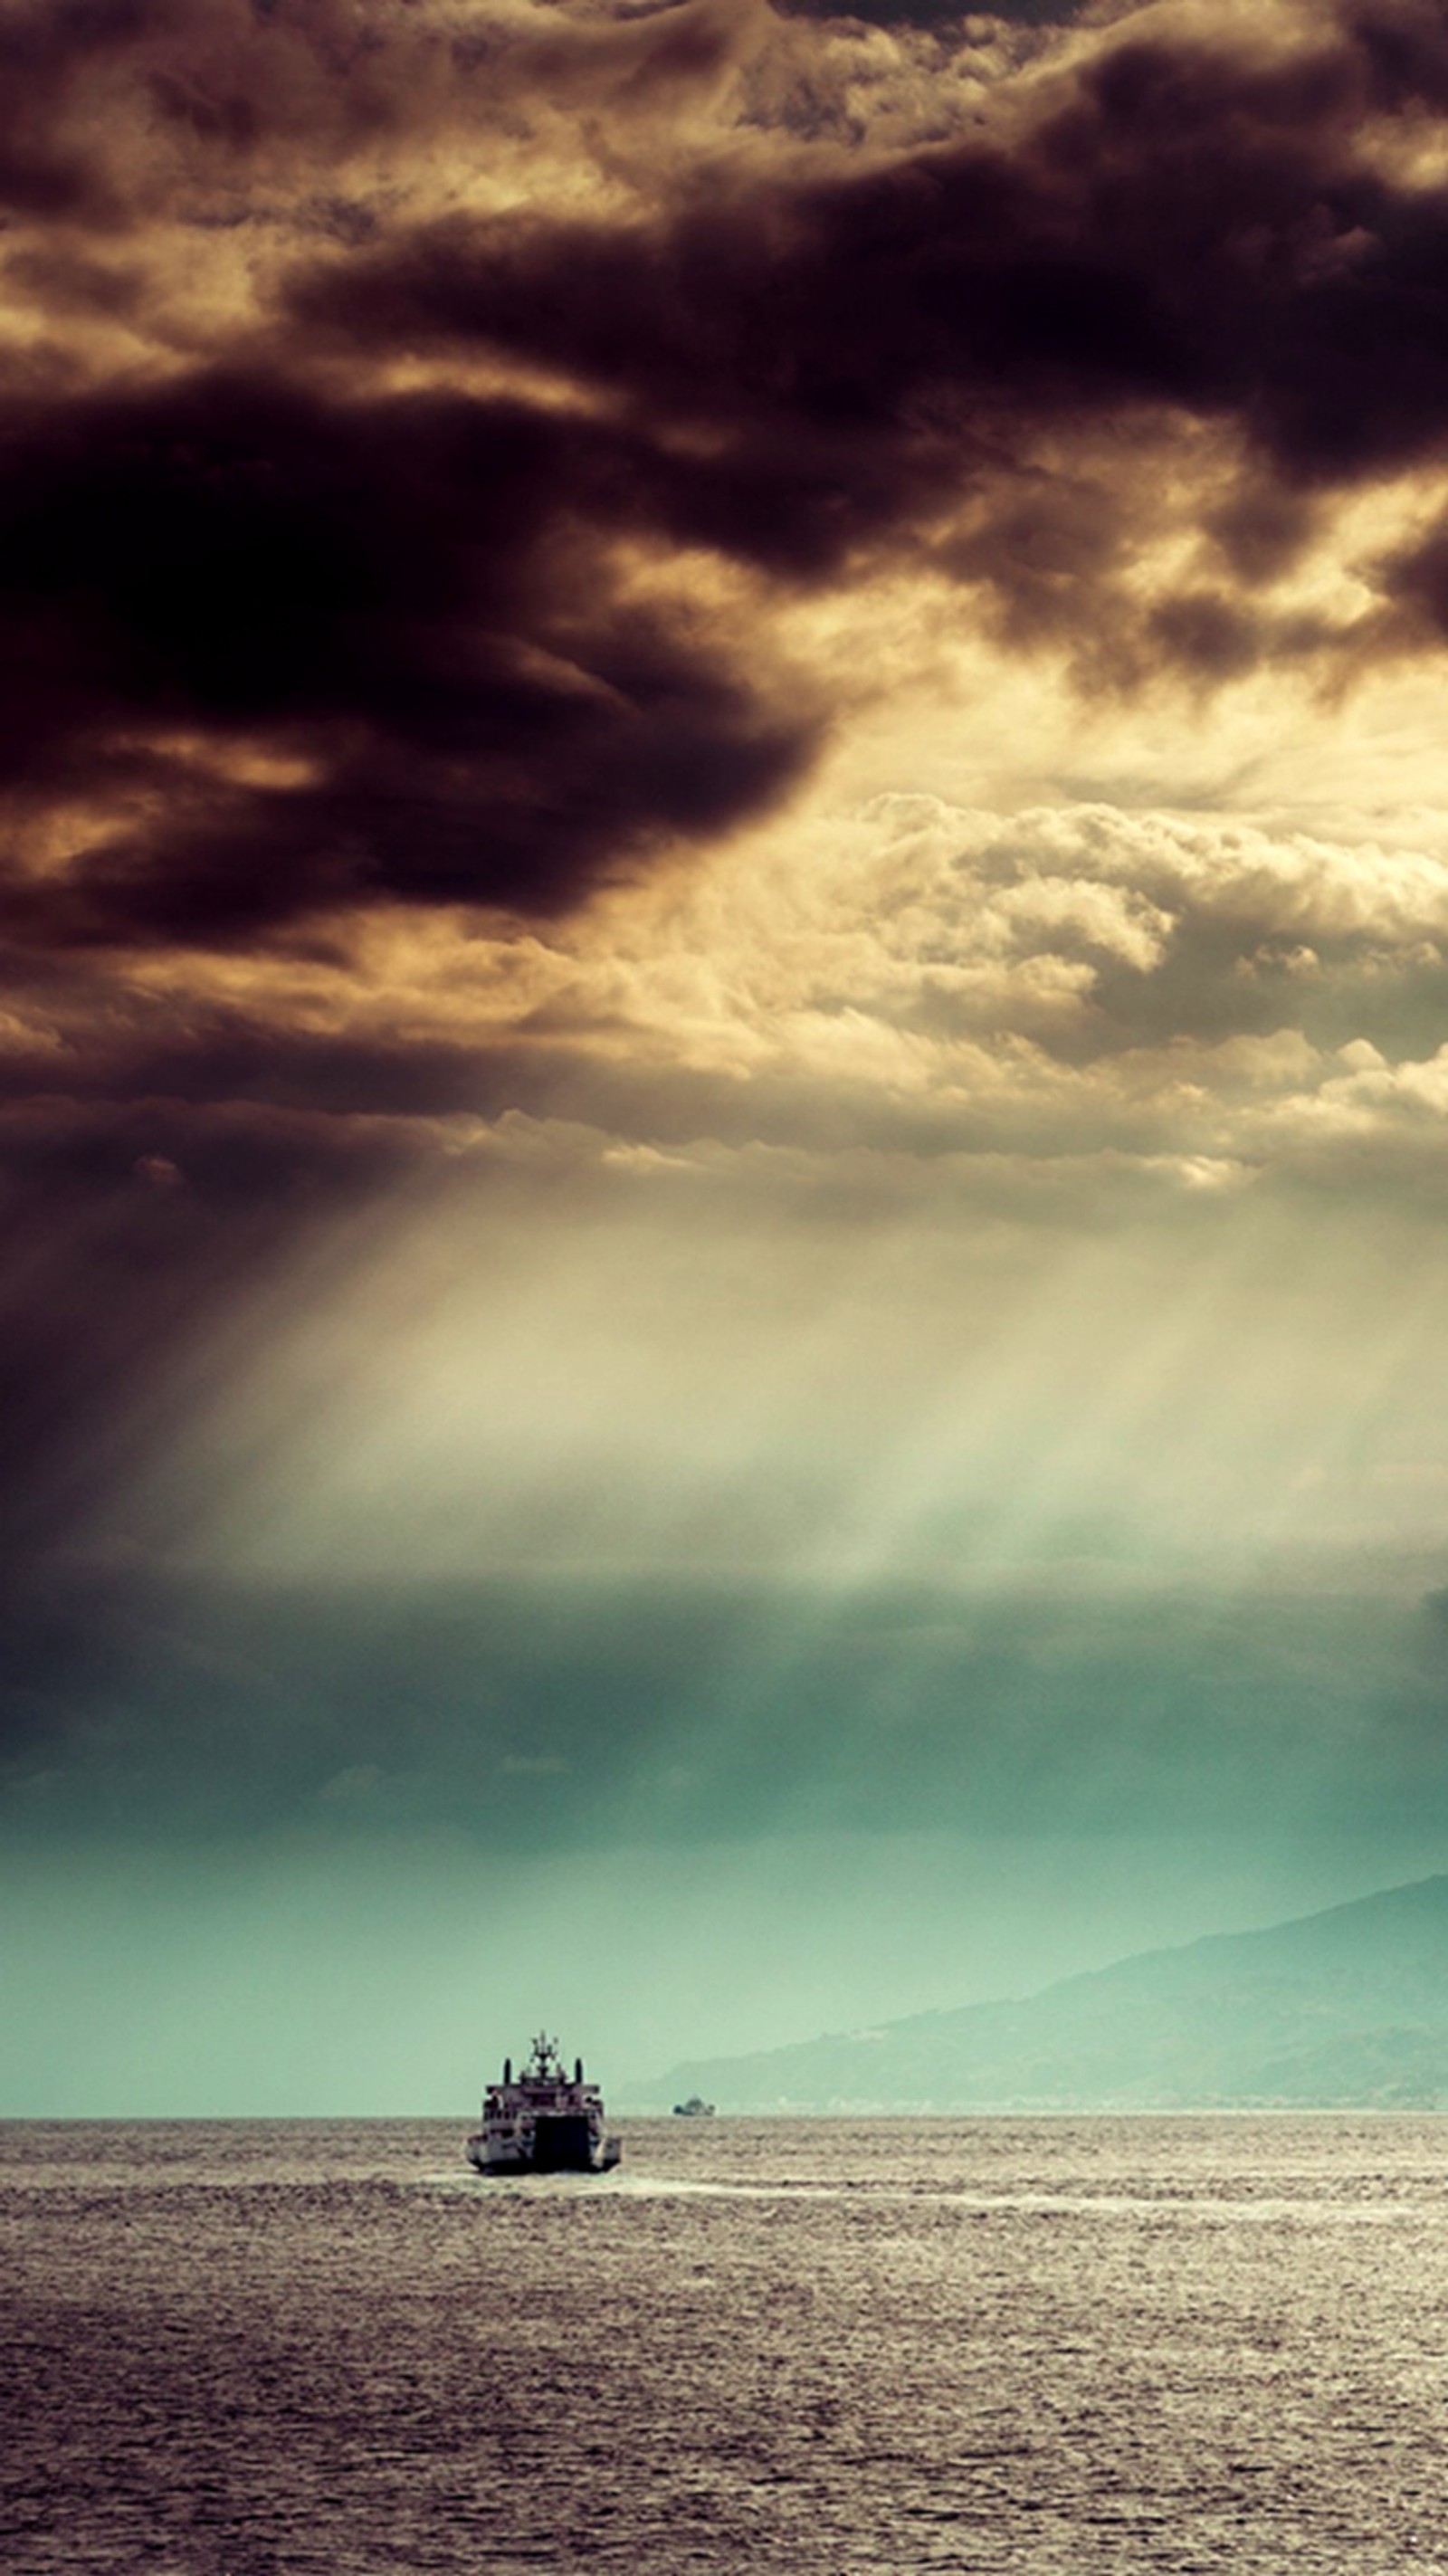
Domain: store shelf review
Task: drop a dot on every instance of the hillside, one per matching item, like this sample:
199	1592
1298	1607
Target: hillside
1340	2008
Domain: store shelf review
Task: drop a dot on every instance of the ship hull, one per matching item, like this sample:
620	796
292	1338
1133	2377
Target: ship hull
568	2153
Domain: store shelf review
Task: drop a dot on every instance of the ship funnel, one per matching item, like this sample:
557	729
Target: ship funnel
507	2070
578	2070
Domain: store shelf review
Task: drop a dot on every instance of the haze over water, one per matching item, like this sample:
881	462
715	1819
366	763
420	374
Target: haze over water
323	2349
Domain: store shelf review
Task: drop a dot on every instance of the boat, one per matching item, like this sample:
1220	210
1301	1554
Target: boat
696	2108
543	2120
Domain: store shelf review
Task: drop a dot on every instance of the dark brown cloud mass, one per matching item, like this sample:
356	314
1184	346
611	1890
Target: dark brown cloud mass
413	600
1175	232
405	600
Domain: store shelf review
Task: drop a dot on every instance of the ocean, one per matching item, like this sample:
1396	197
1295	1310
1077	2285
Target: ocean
327	2349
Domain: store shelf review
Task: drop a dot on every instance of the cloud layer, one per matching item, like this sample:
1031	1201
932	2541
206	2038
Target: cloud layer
749	601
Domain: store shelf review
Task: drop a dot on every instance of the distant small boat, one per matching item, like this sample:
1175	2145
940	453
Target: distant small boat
696	2108
544	2121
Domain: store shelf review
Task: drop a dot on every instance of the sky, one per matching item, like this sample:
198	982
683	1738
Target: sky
724	1044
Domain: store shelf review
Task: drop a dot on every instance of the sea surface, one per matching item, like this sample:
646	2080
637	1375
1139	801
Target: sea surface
327	2349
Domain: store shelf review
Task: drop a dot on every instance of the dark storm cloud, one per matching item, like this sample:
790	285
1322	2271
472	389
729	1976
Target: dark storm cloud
409	604
1406	49
411	601
408	599
1181	232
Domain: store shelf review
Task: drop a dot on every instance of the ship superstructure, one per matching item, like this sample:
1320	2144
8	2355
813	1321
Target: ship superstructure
543	2120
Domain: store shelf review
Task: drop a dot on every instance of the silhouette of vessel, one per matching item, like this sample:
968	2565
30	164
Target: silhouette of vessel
543	2120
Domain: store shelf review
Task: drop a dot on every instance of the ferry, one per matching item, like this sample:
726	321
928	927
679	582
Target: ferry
542	2121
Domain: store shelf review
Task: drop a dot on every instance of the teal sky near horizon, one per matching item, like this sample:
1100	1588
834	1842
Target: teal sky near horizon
724	1064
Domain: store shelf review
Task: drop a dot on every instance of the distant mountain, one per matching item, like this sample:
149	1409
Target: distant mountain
1345	2008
